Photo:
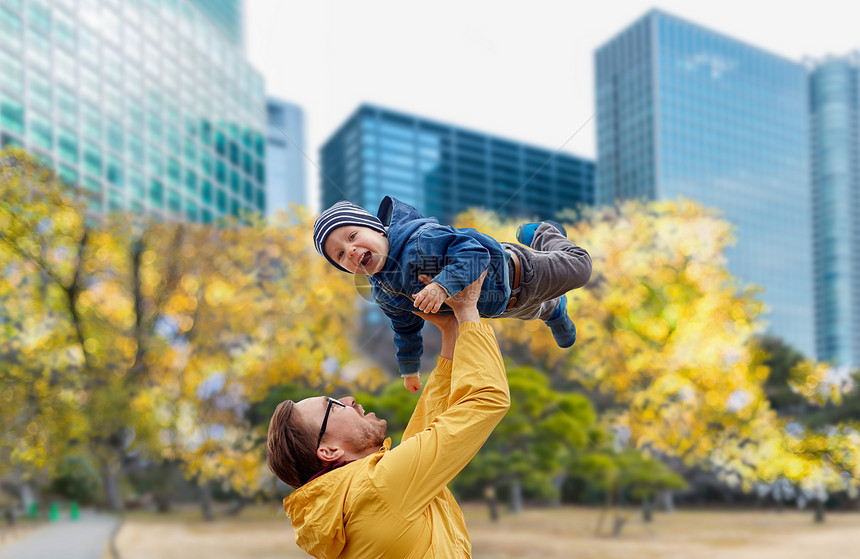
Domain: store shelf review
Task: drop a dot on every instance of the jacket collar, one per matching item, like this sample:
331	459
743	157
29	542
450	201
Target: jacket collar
386	445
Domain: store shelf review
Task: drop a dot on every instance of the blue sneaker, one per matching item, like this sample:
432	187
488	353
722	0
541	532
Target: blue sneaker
526	231
563	329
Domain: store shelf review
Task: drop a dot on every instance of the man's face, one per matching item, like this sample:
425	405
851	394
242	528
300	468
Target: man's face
359	250
347	425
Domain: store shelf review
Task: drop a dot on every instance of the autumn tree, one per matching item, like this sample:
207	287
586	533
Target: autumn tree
665	339
135	338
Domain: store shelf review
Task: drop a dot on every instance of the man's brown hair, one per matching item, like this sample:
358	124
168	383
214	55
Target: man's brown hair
291	451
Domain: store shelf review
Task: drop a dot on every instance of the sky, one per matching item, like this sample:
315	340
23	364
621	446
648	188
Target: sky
515	69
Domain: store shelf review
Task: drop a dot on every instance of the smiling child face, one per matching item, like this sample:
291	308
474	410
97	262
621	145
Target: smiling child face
359	250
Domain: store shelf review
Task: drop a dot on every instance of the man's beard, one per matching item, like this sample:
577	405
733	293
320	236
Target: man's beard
371	435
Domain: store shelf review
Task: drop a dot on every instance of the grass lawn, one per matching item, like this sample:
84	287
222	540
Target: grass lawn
263	532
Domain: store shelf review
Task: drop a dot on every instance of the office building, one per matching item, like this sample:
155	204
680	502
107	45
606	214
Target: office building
285	156
834	101
225	15
149	106
443	170
683	111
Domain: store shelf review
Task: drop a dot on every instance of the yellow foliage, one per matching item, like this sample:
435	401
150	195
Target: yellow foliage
161	334
666	331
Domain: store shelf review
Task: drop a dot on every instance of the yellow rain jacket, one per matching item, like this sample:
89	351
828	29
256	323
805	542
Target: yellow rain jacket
395	503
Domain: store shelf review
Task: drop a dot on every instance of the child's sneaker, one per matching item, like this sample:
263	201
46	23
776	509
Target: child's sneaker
563	329
526	231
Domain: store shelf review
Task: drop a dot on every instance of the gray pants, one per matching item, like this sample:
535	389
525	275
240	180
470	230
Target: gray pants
552	268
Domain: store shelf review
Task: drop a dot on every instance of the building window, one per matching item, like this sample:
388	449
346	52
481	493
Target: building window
206	191
40	131
12	115
68	175
173	144
261	200
221	172
13	73
92	159
190	151
136	184
156	193
156	165
91	122
173	171
154	126
190	210
67	144
115	200
174	202
220	143
114	136
67	104
190	182
205	163
40	90
114	171
135	149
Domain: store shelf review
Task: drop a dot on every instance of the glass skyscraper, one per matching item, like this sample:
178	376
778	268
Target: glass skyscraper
226	15
686	111
285	160
443	170
148	105
834	100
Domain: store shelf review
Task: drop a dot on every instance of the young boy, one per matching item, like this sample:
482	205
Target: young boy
399	245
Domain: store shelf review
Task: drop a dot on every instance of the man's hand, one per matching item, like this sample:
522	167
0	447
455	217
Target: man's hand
430	298
465	303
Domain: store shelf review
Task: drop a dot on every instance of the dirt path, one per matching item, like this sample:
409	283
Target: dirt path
263	533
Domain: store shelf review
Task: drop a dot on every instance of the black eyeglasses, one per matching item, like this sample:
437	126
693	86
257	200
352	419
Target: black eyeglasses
331	402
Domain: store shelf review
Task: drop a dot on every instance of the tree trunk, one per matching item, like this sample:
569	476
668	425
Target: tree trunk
647	509
205	494
668	500
557	484
490	497
28	498
606	508
237	506
819	511
113	498
619	520
516	497
618	524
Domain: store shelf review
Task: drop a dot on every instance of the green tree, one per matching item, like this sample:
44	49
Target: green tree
535	442
627	473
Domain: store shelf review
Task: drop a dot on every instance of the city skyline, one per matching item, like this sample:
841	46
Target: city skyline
469	63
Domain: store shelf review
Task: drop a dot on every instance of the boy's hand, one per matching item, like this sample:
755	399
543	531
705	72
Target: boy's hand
412	384
430	299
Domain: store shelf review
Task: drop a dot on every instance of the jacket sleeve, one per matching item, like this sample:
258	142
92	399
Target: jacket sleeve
407	337
433	400
463	257
413	474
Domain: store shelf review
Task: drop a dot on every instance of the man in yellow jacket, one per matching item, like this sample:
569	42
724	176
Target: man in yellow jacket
357	497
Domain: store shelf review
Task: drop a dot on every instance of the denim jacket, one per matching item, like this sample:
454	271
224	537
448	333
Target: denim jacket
454	258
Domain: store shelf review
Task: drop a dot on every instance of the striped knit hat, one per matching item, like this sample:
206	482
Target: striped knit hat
342	213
